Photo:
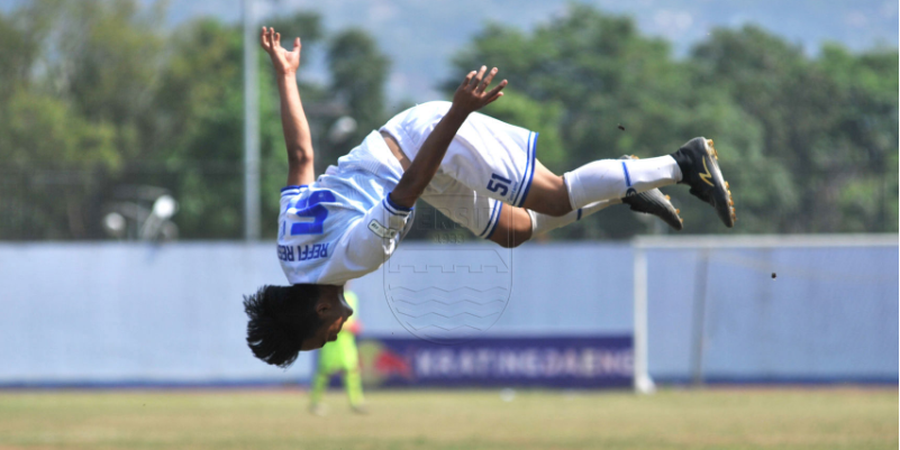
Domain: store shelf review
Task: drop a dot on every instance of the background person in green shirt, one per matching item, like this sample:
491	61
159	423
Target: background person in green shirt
340	355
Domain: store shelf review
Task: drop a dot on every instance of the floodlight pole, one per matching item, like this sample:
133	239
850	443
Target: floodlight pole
251	126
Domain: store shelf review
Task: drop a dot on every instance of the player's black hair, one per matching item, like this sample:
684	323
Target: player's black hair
281	317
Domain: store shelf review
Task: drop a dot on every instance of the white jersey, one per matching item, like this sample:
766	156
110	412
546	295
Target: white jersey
343	226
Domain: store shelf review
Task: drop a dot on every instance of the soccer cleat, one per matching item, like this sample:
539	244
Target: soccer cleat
697	160
654	202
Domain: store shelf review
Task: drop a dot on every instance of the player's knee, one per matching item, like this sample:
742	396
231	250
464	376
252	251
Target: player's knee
509	244
555	204
558	209
517	242
549	195
513	238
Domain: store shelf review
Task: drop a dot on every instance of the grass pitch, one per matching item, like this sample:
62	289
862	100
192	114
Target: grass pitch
777	418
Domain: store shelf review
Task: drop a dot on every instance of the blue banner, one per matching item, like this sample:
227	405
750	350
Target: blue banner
561	362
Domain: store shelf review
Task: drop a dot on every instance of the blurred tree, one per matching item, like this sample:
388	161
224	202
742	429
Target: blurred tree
76	87
95	95
863	140
199	120
359	71
200	103
200	113
18	52
826	124
597	73
106	58
794	133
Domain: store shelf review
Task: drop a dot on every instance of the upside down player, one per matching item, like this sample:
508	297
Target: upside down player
348	221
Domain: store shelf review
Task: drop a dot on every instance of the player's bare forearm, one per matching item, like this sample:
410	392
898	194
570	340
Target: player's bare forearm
426	163
297	136
469	97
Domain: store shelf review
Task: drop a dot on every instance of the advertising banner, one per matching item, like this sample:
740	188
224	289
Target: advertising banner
559	362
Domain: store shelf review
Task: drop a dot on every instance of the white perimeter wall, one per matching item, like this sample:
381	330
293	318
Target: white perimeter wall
109	313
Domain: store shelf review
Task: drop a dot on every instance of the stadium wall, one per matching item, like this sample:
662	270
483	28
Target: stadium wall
111	314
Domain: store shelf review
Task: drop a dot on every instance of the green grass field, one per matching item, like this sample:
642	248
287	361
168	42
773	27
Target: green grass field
778	418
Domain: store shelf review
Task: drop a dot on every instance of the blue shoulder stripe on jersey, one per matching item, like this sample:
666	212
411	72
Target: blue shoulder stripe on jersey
292	190
529	168
491	218
388	208
493	228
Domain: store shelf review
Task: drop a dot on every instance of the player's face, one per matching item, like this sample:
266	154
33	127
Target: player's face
333	320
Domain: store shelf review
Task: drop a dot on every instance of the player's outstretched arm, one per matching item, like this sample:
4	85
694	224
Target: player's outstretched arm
469	97
293	119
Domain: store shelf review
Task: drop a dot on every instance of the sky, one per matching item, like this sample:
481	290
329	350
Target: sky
421	36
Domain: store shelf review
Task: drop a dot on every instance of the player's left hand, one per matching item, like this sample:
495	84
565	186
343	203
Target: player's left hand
285	62
471	95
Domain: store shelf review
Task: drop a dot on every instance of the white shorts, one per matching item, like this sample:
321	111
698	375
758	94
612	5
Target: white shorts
478	213
492	158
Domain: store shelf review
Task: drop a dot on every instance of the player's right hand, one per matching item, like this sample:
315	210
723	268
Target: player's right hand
471	95
285	62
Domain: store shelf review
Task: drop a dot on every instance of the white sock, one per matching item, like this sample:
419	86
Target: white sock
608	179
542	223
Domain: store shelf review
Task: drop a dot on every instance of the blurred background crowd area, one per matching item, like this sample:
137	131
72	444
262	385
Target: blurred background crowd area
105	109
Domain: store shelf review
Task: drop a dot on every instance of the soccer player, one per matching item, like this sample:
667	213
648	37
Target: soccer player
348	221
340	356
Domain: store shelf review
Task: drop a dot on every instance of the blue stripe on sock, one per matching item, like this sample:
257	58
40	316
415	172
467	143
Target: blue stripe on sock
627	178
579	214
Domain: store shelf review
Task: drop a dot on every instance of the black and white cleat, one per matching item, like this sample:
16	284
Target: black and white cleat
656	203
698	161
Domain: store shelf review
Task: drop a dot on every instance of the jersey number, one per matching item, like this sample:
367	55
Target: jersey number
500	184
310	207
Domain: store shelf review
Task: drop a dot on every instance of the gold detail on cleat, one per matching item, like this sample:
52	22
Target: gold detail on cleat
706	176
668	198
709	143
727	186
